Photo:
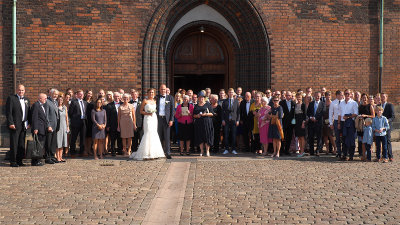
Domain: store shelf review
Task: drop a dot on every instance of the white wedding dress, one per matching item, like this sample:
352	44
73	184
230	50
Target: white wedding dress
150	146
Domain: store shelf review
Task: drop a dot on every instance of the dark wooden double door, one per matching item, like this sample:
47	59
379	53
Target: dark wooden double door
201	60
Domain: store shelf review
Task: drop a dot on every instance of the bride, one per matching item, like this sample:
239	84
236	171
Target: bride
150	146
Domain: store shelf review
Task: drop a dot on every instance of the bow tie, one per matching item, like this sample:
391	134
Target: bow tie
162	96
134	101
117	103
20	97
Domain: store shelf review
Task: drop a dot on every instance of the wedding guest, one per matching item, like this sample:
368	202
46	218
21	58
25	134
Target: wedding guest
268	94
194	99
112	124
99	120
334	112
389	113
230	121
175	129
377	99
136	102
208	93
253	94
121	91
17	111
263	124
246	120
203	126
221	96
380	125
371	101
168	91
254	108
217	122
239	92
367	140
109	98
182	92
190	94
327	132
53	117
275	131
348	111
315	113
88	97
299	129
77	115
67	100
309	93
62	133
283	95
185	124
357	97
40	123
288	120
70	92
365	110
101	95
323	91
277	94
126	124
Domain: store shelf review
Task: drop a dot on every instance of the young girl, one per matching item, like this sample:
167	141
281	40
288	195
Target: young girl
380	125
367	140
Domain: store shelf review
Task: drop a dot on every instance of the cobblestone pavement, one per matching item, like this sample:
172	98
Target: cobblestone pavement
220	190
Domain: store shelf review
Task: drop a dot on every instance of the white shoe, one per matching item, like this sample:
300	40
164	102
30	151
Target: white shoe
225	152
234	152
201	155
208	154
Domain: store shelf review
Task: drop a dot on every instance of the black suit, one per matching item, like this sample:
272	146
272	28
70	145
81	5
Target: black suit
78	124
389	113
164	130
54	121
315	128
231	116
16	117
288	117
139	124
112	127
247	121
39	122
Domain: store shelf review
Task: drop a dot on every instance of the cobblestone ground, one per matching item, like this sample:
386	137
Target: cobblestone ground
220	190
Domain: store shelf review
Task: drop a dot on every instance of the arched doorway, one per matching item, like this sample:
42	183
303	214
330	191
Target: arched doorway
201	56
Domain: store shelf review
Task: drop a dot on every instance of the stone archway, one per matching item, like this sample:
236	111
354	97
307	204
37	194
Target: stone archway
252	61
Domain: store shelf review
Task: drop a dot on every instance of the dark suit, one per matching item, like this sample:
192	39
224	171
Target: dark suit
16	117
78	125
139	124
315	128
54	120
231	116
247	120
39	122
164	130
288	117
389	113
112	127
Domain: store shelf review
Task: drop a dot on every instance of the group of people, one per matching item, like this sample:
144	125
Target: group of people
259	122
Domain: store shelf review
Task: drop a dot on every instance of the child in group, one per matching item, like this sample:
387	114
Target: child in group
380	125
367	140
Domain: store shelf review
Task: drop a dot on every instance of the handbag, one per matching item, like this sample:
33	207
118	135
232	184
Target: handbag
35	148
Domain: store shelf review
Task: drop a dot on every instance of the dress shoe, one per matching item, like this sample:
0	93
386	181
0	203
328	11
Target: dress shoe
13	164
350	159
391	159
49	161
21	164
55	160
169	157
38	164
225	152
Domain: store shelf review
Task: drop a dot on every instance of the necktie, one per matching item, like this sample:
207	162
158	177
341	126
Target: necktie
83	110
315	108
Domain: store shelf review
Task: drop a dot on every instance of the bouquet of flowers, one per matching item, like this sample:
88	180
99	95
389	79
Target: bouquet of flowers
150	108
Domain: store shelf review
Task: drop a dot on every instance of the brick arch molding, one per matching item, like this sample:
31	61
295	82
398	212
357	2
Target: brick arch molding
253	61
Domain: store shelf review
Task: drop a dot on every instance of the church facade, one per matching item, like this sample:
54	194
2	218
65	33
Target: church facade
255	44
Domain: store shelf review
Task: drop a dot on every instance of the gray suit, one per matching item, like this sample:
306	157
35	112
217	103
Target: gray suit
164	130
53	117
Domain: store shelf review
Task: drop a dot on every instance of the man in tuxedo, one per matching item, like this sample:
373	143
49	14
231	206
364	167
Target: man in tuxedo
388	112
54	120
165	115
77	115
230	120
17	111
246	120
112	123
315	113
40	123
139	119
288	121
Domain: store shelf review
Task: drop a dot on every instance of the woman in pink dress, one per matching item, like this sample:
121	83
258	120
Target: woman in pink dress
263	124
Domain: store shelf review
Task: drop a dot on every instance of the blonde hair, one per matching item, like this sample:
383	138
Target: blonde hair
379	108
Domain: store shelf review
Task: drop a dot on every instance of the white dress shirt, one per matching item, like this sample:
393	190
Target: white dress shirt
81	105
289	105
162	106
117	105
22	103
350	107
134	103
334	110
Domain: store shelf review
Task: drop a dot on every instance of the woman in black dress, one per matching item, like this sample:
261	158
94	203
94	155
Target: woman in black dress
275	126
217	121
203	124
365	110
89	124
300	127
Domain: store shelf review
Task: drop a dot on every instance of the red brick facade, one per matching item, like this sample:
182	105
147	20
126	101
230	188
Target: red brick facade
116	43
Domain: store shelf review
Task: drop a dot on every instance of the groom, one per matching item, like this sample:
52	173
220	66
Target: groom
165	115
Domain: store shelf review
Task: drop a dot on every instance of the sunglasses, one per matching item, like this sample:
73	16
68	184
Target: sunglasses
346	93
276	100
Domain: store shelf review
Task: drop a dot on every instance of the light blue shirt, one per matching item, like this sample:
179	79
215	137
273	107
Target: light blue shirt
368	138
378	123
